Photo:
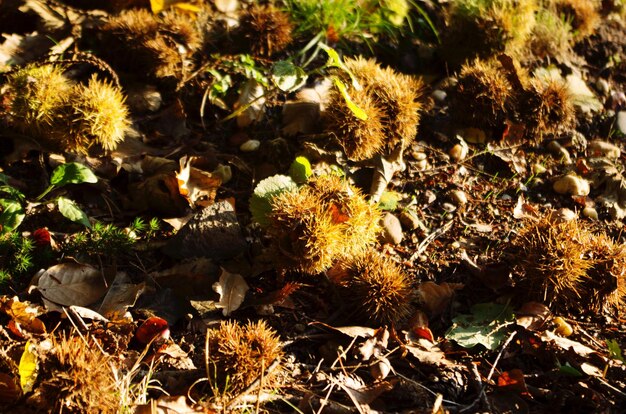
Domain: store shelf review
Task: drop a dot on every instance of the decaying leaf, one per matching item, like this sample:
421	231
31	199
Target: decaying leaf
25	314
436	298
426	352
251	102
9	391
121	295
232	289
567	344
533	315
197	186
69	284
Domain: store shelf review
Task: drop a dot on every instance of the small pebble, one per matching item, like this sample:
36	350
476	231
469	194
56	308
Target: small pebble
621	122
559	151
590	212
449	207
603	86
421	165
409	220
250	145
439	96
458	152
572	185
458	197
420	156
538	168
565	214
392	229
599	148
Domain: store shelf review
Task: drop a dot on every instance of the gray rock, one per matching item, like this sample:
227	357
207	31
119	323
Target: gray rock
213	232
392	229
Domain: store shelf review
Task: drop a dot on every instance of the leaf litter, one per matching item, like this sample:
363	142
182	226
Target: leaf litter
228	123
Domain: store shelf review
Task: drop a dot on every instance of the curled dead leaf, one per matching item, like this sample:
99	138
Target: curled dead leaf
232	289
199	187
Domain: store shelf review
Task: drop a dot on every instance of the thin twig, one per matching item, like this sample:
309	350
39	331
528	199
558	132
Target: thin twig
256	383
481	394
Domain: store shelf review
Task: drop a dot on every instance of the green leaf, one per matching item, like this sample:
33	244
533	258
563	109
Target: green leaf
358	112
300	170
287	76
71	211
12	215
389	201
567	369
72	173
486	325
615	352
334	60
264	193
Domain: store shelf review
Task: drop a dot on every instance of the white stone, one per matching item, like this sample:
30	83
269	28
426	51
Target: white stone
621	122
571	184
590	212
598	148
458	197
559	151
250	145
458	152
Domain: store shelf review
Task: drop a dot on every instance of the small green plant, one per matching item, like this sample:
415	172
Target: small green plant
70	173
108	240
15	257
11	210
344	21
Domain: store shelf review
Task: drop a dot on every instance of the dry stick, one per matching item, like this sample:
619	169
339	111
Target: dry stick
425	388
256	383
429	239
481	394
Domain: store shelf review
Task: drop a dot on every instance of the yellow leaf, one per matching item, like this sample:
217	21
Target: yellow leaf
28	368
158	5
187	7
358	112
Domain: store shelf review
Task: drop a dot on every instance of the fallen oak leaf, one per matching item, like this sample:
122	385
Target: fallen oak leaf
232	288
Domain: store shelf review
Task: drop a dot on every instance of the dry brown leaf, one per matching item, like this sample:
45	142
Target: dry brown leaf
300	117
436	298
232	289
69	284
533	315
169	405
351	331
9	390
567	344
427	353
252	99
121	295
197	186
25	314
